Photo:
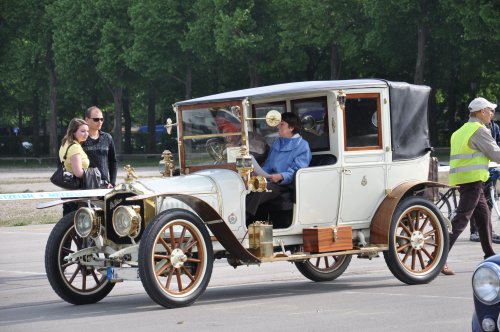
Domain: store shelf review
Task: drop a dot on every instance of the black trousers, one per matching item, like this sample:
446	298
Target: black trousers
487	186
473	204
255	199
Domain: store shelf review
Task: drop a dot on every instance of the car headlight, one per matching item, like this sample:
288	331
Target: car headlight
87	222
486	283
127	220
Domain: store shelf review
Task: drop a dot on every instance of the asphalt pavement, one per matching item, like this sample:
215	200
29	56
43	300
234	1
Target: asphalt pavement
269	297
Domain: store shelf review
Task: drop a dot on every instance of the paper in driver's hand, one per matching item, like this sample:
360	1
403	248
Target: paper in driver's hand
258	170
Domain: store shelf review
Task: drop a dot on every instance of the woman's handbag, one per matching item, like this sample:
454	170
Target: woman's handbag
64	179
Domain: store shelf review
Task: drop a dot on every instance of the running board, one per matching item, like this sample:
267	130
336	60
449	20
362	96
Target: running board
280	256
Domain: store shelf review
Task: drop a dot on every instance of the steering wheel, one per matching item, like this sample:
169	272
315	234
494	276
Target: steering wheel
215	148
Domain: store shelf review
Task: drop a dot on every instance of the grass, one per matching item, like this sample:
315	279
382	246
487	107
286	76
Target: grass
46	162
28	215
20	224
443	155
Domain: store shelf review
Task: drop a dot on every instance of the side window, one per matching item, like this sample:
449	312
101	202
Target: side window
362	127
314	115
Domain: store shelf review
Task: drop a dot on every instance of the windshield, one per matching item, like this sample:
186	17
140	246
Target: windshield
211	135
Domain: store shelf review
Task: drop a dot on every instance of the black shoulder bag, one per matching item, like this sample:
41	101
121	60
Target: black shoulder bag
64	179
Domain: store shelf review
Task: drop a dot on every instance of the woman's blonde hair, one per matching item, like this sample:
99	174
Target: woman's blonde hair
73	126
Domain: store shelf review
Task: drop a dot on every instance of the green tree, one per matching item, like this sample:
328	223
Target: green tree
154	52
246	30
26	66
74	44
322	36
115	40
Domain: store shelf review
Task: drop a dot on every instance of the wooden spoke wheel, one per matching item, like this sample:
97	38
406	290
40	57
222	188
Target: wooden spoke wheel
175	258
418	241
325	268
73	281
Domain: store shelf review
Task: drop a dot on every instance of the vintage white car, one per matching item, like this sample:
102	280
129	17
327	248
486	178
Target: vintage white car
362	194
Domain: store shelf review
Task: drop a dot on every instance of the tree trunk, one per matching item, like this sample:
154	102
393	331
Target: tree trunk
432	119
189	83
420	65
253	73
53	141
452	109
334	63
35	111
117	121
150	146
20	118
127	122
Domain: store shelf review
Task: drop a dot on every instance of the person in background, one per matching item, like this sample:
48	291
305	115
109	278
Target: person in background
100	147
472	148
288	154
76	159
474	235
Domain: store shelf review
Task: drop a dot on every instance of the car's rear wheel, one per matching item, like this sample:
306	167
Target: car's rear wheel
175	258
418	241
325	268
72	281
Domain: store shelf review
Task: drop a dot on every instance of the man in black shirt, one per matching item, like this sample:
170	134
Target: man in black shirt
100	147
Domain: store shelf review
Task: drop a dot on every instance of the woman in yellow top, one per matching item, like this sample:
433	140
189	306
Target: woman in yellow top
76	159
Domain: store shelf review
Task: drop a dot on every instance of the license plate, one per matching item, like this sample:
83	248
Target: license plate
117	274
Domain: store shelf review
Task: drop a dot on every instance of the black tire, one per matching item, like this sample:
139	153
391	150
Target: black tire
73	282
175	258
325	268
418	241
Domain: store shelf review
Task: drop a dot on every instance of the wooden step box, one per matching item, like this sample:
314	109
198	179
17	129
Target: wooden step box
324	239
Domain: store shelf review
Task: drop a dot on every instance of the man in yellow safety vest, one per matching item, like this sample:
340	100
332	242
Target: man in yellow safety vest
472	148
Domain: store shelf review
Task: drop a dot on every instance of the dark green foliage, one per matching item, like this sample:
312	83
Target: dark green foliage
135	58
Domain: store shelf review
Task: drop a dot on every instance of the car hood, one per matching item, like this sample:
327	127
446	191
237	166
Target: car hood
207	181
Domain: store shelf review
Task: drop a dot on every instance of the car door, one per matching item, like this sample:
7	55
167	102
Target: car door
364	157
318	186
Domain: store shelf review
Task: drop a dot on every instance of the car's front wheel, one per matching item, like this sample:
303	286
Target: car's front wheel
175	258
74	281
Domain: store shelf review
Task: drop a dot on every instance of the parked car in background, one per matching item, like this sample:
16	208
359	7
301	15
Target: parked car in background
486	290
27	147
162	140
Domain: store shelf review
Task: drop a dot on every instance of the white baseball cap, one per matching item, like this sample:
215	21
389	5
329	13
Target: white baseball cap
479	103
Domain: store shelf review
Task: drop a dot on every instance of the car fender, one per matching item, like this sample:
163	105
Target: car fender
381	221
215	223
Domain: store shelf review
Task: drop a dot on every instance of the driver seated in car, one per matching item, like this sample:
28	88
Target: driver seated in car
228	127
289	153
